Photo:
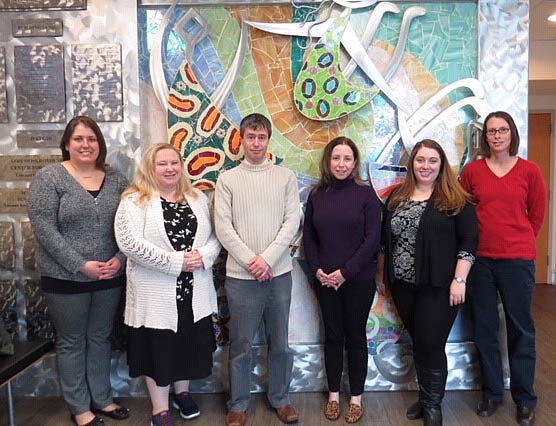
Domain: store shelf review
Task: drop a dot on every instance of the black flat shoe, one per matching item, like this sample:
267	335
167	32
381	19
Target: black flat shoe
120	413
97	421
486	407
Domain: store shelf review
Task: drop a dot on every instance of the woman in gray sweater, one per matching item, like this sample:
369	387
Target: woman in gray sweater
71	206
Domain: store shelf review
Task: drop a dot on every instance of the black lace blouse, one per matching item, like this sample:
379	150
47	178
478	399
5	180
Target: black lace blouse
404	227
181	226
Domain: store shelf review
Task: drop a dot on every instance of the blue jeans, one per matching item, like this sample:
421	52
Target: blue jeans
251	302
514	280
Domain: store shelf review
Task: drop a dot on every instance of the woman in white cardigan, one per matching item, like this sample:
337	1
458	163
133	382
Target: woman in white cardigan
163	226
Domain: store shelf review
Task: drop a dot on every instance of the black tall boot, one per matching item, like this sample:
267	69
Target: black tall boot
432	384
415	411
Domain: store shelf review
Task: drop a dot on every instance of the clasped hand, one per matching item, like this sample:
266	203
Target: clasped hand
258	267
192	260
101	270
334	279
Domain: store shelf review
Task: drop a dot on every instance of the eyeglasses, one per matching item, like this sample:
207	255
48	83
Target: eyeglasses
501	130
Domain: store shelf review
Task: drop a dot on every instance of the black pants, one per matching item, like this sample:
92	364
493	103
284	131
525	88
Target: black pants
514	281
428	317
345	313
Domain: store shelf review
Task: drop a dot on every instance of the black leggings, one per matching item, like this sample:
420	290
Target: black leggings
428	317
345	313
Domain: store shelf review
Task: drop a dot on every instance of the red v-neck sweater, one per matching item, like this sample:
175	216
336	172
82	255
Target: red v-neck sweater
510	208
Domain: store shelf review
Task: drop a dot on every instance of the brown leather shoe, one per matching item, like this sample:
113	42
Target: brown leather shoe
525	415
235	418
287	414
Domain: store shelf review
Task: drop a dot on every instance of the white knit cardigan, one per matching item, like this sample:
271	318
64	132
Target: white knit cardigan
153	265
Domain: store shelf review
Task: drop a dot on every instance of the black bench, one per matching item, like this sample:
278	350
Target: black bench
26	354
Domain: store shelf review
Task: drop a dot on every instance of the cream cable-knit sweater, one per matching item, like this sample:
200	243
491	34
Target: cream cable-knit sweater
153	265
257	213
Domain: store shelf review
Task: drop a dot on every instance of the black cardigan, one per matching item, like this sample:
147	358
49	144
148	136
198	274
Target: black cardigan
440	237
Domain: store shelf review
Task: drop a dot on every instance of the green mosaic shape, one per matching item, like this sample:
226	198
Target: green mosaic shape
321	91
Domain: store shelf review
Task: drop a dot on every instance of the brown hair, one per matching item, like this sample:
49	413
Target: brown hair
448	195
514	143
254	121
326	180
144	181
91	124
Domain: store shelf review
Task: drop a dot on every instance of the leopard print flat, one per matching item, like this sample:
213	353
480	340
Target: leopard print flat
332	410
353	413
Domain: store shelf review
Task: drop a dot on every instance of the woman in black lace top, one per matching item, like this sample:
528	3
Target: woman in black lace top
163	225
429	235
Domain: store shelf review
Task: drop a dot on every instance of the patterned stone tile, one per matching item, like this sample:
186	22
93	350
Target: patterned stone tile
36	312
7	254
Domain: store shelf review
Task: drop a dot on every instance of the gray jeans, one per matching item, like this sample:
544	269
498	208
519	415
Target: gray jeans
251	302
83	324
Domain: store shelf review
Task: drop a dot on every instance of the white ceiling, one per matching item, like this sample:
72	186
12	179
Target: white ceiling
540	28
542	41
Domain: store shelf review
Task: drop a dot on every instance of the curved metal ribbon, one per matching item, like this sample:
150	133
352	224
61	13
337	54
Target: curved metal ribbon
372	25
158	80
225	87
476	101
355	4
408	16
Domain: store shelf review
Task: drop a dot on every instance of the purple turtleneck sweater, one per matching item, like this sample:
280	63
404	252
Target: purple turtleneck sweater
342	230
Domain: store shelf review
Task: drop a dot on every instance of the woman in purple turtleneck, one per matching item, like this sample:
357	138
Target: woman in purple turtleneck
341	236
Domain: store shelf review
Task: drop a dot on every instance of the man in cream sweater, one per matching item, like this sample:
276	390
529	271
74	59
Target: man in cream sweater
256	218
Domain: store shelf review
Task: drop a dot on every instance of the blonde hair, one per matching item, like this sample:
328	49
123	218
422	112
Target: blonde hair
144	182
448	195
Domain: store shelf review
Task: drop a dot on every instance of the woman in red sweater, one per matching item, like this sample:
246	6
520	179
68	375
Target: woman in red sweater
511	200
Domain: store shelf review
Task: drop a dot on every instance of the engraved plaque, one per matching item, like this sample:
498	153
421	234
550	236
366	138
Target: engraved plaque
43	4
37	28
38	138
7	253
24	167
39	83
97	81
3	93
13	200
29	247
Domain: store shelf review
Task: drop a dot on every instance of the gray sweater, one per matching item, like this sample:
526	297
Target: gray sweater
70	225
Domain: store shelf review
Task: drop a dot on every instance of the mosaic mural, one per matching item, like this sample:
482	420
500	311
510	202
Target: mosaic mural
385	75
424	59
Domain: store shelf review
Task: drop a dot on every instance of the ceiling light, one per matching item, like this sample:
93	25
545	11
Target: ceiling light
552	18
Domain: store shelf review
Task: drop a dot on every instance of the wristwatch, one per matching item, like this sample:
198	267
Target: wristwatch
459	280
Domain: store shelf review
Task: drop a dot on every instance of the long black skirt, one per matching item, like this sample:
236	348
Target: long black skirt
168	357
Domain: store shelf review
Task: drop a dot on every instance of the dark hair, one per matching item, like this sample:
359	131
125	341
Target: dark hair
514	143
254	121
326	180
91	124
448	195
